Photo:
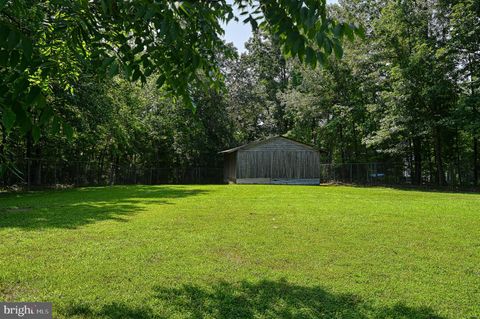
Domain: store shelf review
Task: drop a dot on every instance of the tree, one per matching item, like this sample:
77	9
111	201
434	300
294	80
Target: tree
465	42
253	82
45	45
421	94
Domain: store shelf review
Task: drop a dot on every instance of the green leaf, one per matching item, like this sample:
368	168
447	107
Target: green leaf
55	128
147	71
113	69
254	24
8	119
321	58
27	47
3	57
337	47
33	95
36	133
327	45
3	35
304	14
297	46
161	80
338	30
286	51
301	49
12	40
3	3
105	6
312	18
20	85
348	30
107	61
136	74
149	14
14	58
195	61
320	39
127	71
23	120
41	101
311	59
67	130
46	115
185	7
187	99
360	31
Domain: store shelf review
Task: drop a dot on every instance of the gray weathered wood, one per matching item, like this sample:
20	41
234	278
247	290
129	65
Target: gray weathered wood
275	158
230	167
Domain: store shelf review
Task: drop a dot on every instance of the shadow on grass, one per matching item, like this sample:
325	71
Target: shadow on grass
78	207
437	189
413	188
265	299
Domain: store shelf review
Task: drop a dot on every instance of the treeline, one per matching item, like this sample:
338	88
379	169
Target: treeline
408	93
116	123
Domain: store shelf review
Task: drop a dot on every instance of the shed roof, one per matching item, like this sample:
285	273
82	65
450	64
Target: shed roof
256	143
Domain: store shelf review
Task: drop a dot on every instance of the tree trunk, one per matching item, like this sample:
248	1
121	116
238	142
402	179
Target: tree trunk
459	160
475	161
342	145
475	117
355	144
410	159
417	157
34	171
440	172
3	156
3	142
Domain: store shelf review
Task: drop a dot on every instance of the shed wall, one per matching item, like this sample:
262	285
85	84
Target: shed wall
230	167
278	164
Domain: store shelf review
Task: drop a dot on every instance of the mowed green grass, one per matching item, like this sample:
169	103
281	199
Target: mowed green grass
238	251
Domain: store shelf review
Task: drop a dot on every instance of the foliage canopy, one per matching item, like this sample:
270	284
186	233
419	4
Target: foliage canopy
45	45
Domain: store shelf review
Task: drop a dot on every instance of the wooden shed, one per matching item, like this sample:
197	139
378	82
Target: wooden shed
276	160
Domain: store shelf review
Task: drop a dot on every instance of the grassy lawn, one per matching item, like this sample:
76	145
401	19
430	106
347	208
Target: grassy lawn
242	252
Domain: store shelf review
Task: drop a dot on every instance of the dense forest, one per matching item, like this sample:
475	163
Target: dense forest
408	92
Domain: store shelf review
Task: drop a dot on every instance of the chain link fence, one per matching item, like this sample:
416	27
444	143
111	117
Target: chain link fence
43	173
56	173
391	174
365	173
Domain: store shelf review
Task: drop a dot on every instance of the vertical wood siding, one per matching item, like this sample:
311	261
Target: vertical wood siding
229	168
278	158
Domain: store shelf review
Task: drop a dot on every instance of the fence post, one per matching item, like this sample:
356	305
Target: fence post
351	173
76	173
111	175
28	174
134	174
366	170
55	173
